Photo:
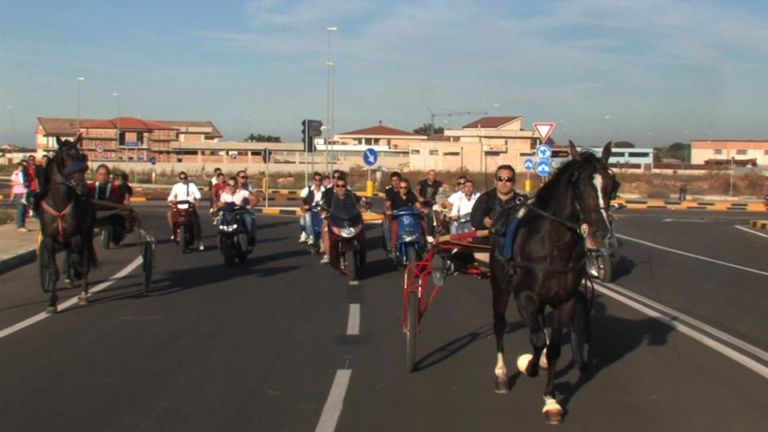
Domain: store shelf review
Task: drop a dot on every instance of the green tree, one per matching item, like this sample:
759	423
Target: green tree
263	138
424	130
623	144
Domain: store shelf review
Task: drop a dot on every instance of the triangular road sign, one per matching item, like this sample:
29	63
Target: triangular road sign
544	129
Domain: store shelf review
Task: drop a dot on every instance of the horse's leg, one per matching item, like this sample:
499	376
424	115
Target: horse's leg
580	333
531	315
53	274
563	314
67	266
81	270
501	296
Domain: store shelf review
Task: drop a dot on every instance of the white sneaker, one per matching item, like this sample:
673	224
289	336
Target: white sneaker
303	237
326	259
23	229
201	247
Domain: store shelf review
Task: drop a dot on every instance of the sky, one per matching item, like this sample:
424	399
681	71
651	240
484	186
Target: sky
652	72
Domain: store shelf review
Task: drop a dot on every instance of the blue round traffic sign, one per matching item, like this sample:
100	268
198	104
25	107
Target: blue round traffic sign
544	167
543	151
528	164
370	157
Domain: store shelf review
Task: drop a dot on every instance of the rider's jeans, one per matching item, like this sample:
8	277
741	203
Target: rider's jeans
306	223
250	223
387	233
21	210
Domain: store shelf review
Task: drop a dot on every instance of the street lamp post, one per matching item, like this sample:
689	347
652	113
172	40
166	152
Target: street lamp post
329	98
79	80
117	134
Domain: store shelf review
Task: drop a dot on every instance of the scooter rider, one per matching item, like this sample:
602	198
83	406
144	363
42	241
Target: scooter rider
245	199
403	198
343	206
389	194
463	204
326	201
310	195
427	191
185	190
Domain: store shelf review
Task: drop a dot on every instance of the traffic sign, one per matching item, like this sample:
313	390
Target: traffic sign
543	151
100	148
544	129
528	164
370	156
233	155
266	155
544	167
153	160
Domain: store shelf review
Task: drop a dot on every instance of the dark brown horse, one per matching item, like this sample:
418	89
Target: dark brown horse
67	218
567	216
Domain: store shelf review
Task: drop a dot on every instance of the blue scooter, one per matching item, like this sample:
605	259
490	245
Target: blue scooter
411	243
317	227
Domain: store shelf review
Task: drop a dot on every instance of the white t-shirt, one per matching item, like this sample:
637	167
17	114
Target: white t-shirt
184	192
463	205
240	197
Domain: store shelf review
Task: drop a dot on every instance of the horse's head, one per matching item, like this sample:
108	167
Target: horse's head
71	164
594	186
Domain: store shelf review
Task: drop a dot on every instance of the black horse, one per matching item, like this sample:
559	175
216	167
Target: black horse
67	219
567	216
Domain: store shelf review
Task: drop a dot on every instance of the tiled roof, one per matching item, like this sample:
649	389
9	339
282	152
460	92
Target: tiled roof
491	122
68	126
61	126
380	130
183	125
125	123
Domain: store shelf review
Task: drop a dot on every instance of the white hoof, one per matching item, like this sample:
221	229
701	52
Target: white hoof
82	298
553	412
543	360
523	361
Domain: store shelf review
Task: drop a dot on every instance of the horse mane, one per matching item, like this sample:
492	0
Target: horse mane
565	173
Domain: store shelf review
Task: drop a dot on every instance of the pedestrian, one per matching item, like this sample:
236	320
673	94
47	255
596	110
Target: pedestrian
19	191
683	193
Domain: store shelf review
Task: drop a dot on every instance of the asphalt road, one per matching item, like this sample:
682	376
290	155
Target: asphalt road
260	346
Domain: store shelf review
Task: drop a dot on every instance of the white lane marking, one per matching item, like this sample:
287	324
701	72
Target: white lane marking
684	220
682	328
353	323
736	266
750	231
42	315
335	402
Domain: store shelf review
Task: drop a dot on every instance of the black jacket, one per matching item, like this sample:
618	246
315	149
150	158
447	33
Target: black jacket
488	204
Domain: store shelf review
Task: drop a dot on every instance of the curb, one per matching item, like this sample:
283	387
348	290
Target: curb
641	204
22	258
290	211
759	224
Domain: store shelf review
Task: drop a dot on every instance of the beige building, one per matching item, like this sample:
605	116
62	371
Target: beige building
720	152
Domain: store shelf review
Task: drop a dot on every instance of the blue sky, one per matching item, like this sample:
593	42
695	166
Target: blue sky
652	72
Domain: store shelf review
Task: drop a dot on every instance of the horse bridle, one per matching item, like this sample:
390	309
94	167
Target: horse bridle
71	170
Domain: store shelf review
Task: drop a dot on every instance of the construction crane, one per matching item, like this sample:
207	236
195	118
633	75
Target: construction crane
433	114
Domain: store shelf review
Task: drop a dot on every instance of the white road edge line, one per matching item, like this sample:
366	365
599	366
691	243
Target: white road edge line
353	323
335	402
691	255
682	328
750	231
72	301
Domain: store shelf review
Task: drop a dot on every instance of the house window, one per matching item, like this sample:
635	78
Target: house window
741	152
718	151
457	153
415	152
434	152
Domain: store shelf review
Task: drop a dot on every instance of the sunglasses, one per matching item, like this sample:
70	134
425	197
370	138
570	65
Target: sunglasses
340	185
182	178
505	179
404	188
460	183
231	185
317	179
242	177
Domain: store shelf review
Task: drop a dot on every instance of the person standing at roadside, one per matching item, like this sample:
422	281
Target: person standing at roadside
19	192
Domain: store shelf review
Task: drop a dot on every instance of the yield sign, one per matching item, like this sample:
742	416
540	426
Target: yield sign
544	129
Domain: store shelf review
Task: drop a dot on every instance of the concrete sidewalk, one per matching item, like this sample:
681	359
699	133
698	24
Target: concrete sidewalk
18	248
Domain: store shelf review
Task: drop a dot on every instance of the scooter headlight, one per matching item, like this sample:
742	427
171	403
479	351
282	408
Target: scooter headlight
347	232
410	237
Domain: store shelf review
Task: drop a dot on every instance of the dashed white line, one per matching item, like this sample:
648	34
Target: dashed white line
353	323
618	293
736	266
64	305
335	402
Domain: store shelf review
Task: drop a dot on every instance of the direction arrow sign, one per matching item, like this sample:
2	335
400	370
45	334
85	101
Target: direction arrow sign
544	151
544	167
370	156
528	164
544	129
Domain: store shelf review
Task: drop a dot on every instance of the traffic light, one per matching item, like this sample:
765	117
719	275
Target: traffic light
309	130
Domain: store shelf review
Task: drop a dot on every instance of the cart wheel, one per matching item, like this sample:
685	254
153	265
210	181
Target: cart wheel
147	264
413	318
43	268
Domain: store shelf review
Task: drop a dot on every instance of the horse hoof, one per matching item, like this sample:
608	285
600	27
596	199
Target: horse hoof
543	360
553	412
502	385
82	298
522	363
50	310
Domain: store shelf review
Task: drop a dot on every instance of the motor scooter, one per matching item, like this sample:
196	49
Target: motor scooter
184	224
233	236
411	242
350	236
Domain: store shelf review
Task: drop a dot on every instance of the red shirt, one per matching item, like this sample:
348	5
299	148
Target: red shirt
217	188
32	178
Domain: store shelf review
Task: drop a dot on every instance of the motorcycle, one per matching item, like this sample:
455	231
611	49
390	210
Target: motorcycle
315	241
184	224
351	247
233	236
411	242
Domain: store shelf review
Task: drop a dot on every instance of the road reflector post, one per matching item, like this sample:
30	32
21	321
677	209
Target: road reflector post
369	188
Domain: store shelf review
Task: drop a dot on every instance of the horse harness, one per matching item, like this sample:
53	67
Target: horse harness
59	216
